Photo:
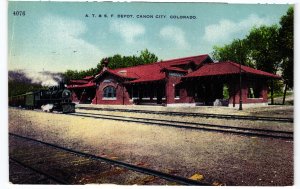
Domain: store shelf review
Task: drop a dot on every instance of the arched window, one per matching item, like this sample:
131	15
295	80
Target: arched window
109	92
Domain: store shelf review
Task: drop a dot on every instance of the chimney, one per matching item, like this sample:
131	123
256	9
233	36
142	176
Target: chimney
105	64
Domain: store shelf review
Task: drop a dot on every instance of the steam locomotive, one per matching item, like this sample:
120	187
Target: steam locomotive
56	98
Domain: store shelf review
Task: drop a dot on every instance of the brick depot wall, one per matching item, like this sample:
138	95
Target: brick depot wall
172	81
263	99
170	89
184	96
122	96
235	93
74	97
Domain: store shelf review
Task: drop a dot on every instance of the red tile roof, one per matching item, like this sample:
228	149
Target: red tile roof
142	73
88	77
79	81
90	84
156	71
153	72
227	68
196	59
175	69
85	80
149	78
120	73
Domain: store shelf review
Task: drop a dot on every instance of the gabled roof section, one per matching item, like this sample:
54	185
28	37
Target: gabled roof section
154	71
117	73
186	60
227	68
143	73
149	78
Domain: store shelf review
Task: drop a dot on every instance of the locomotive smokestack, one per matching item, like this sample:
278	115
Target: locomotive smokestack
61	85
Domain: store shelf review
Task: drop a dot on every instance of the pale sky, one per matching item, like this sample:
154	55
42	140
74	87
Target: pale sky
56	36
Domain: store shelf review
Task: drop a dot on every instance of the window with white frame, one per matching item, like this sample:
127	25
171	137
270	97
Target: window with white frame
109	92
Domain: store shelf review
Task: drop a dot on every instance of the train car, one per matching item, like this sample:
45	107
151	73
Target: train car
30	102
17	101
58	98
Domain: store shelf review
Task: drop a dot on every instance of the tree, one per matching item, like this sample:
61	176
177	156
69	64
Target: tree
263	48
147	57
237	51
21	87
259	49
70	74
286	49
116	61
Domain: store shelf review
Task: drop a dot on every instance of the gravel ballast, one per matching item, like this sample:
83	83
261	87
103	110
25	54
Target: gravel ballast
225	158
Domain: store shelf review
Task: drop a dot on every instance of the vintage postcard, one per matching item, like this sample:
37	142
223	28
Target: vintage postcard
150	93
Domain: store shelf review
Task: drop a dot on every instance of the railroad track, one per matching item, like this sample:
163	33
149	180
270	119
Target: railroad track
45	176
66	155
192	125
219	116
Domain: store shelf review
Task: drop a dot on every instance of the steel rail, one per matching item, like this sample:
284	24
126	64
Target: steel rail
219	116
166	176
60	181
207	127
193	123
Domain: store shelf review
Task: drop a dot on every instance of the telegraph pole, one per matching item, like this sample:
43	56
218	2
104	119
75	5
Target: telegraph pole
241	101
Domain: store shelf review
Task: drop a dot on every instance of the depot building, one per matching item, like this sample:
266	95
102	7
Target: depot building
188	81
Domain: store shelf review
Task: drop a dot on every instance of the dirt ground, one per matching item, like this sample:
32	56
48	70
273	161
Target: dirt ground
225	158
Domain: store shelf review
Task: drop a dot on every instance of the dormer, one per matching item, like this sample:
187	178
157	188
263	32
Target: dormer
123	72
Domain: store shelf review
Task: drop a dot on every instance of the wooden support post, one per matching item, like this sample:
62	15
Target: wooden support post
284	94
272	92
